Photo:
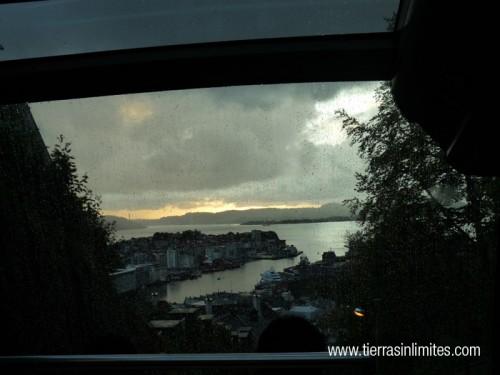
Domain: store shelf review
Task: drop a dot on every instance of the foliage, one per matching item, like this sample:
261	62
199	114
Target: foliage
422	263
82	204
56	292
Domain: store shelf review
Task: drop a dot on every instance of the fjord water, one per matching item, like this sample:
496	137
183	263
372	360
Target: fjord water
311	238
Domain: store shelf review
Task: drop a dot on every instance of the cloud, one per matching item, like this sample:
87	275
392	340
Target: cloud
243	146
135	112
326	127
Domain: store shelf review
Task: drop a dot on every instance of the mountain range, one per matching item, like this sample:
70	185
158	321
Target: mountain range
326	211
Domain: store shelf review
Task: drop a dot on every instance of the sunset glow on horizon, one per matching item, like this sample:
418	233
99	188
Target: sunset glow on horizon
164	154
209	206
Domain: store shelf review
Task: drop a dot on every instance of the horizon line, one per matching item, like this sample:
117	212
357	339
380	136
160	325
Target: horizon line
136	214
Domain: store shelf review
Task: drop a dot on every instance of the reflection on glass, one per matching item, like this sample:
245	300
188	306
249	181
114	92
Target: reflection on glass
62	27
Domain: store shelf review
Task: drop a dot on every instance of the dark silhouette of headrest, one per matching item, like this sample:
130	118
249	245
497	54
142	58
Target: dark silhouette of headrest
291	334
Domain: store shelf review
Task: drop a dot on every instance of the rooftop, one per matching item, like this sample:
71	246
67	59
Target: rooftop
123	271
304	309
184	310
164	324
206	317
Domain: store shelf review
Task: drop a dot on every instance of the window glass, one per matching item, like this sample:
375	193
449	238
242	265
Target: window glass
236	207
62	27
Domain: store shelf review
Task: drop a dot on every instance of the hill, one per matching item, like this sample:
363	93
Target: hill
121	223
255	215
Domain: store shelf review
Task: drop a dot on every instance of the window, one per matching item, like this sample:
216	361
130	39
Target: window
299	213
62	27
233	207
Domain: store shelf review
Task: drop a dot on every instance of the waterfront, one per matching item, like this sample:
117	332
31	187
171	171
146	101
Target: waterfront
311	238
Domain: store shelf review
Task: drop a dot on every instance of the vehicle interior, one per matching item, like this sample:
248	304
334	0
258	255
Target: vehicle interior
246	186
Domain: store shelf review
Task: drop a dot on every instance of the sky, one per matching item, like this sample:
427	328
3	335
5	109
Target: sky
161	154
152	155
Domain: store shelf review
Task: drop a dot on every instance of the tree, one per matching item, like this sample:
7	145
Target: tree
57	296
82	206
428	239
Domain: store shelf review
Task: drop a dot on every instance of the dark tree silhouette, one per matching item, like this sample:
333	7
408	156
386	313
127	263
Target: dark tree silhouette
423	262
55	288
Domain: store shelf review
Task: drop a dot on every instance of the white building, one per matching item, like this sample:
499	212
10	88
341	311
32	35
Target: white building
186	260
172	261
269	277
214	252
162	259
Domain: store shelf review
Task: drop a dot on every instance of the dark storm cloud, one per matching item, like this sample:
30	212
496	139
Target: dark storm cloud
268	96
246	145
255	145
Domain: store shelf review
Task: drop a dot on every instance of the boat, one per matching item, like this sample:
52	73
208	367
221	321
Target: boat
268	278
